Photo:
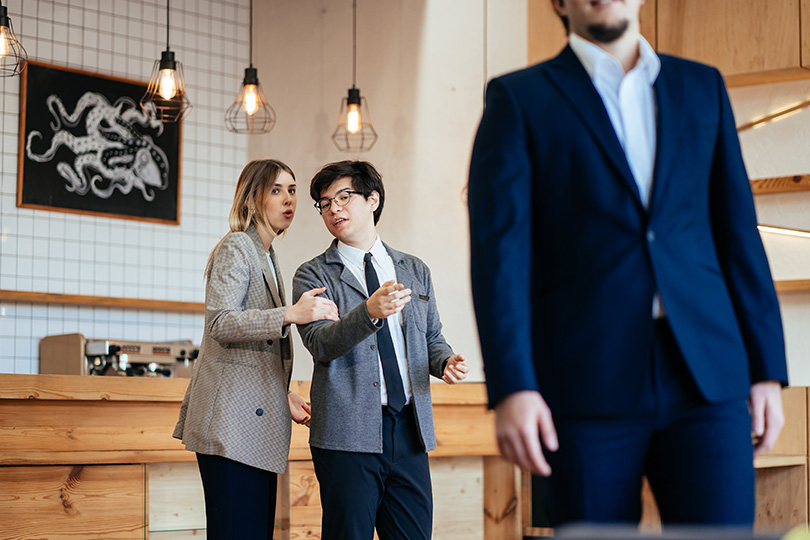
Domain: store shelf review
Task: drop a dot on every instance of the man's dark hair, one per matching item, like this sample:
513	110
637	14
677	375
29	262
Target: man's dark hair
365	179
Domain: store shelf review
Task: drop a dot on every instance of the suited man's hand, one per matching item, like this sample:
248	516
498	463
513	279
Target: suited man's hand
299	409
311	307
767	417
390	298
522	419
455	370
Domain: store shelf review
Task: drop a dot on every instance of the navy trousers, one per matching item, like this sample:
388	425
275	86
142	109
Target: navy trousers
240	500
391	491
697	455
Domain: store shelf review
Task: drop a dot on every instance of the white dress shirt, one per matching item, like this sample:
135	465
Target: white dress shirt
630	103
384	266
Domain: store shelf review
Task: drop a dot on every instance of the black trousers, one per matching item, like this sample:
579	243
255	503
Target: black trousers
697	455
240	500
390	491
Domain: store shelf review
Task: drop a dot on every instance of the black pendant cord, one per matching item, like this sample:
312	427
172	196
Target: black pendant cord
167	25
250	39
354	44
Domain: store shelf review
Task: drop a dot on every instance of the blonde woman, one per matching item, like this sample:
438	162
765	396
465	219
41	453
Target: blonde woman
237	410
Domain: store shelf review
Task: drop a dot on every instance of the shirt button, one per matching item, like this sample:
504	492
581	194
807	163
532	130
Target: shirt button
259	412
650	236
376	384
373	347
269	341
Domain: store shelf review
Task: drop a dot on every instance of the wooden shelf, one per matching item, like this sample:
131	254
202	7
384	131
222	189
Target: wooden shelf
768	462
101	301
792	285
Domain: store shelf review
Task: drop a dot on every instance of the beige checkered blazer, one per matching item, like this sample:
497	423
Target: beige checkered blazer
236	403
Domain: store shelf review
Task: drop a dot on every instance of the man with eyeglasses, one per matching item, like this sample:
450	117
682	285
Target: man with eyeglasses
372	418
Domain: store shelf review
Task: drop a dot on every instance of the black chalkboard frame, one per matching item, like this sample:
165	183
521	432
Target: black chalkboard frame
88	157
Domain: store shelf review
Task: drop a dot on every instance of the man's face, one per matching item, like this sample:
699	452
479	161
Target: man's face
600	21
352	224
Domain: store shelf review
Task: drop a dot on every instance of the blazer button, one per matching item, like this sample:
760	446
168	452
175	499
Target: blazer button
651	236
373	347
259	412
376	384
269	341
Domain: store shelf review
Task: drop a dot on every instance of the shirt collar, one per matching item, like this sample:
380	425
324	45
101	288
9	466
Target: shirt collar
598	62
355	255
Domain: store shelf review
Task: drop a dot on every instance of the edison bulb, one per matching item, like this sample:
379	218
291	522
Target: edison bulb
5	46
166	84
251	101
353	121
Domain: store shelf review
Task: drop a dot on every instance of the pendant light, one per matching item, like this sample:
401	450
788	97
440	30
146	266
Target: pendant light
354	131
12	54
165	99
250	113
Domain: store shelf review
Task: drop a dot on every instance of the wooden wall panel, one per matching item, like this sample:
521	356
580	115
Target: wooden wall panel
92	502
739	36
793	438
502	509
781	498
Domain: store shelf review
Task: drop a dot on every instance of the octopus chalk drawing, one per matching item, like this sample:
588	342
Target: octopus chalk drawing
110	152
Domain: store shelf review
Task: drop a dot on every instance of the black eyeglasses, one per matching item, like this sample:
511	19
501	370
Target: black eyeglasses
341	199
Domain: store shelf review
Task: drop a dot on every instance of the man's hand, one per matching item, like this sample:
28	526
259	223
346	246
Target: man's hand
455	370
390	298
767	417
521	420
310	307
299	409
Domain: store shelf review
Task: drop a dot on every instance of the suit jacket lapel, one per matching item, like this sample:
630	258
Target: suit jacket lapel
572	81
266	272
405	277
669	104
333	257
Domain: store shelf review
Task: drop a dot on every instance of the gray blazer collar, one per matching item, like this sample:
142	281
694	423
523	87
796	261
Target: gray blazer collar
332	256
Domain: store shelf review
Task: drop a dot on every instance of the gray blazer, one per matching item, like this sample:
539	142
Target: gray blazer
236	404
345	394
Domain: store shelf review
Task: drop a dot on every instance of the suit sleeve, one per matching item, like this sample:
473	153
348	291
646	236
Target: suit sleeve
499	199
741	254
328	340
226	291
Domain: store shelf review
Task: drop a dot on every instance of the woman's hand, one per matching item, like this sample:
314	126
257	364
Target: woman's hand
299	409
310	307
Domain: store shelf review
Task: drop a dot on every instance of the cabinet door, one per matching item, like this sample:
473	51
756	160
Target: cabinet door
69	502
739	37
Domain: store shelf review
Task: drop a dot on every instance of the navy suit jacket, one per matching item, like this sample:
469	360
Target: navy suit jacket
566	258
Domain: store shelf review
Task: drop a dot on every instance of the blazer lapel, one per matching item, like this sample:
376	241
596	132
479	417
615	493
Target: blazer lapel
572	81
333	257
669	104
405	277
265	266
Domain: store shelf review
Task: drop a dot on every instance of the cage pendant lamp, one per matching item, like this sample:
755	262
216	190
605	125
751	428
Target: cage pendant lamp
166	99
354	132
250	113
13	57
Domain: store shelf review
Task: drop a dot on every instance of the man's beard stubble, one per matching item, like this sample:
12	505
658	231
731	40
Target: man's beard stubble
602	33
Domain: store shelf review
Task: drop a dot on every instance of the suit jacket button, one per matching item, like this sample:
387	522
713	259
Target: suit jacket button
651	236
259	412
269	341
376	384
373	347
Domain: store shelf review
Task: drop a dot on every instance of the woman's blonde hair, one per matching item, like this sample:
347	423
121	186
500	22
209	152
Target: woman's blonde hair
252	188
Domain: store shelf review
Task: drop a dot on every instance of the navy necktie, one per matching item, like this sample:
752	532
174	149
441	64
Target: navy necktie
393	379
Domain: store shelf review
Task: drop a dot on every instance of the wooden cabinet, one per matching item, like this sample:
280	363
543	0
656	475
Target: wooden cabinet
749	41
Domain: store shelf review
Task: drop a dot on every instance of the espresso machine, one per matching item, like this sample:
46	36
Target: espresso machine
73	354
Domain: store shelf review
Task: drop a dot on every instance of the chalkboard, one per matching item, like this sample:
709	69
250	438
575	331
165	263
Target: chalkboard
87	147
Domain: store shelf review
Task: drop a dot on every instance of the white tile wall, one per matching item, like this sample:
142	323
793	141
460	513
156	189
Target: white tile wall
56	252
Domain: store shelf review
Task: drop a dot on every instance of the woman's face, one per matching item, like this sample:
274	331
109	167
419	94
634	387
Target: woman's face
279	207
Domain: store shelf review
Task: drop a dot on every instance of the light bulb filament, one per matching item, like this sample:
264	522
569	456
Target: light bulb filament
4	41
167	84
251	101
353	120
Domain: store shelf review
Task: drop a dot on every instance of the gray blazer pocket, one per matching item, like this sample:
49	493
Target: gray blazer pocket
420	305
242	354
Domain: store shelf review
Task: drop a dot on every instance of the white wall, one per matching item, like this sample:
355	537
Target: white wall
782	148
56	252
421	67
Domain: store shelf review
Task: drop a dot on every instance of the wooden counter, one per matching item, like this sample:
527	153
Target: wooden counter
93	457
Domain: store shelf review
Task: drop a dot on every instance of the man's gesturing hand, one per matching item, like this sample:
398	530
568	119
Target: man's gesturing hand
390	298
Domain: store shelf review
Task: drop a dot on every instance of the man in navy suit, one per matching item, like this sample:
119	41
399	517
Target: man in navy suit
625	307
